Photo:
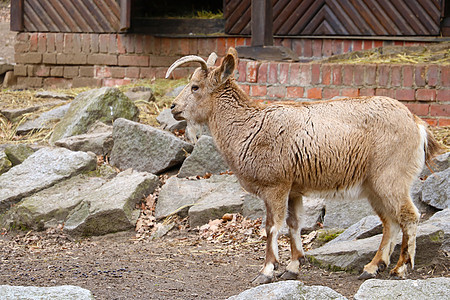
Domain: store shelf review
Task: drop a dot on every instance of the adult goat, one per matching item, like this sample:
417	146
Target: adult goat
371	147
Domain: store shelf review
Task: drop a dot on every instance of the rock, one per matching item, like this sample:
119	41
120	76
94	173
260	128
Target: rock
64	292
167	121
145	148
42	169
10	79
101	143
205	158
18	153
442	220
342	213
366	227
111	207
140	93
12	114
52	95
353	255
5	163
436	190
5	67
45	120
202	200
105	104
175	92
284	290
161	230
431	288
440	163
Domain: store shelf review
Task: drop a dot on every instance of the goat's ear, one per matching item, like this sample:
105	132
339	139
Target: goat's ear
227	68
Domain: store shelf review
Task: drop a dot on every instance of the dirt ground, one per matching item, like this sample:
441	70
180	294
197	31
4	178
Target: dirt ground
180	265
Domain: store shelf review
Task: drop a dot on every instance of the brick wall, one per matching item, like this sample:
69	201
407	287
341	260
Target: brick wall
74	60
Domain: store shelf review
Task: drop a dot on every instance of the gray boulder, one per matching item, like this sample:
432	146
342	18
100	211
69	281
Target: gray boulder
440	163
111	207
18	153
140	93
436	190
105	104
41	170
64	292
98	140
5	163
441	219
432	288
342	213
52	95
175	92
168	122
205	158
366	227
353	255
145	148
202	200
292	290
45	120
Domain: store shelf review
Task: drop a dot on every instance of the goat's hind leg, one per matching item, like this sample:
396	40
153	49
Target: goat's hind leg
294	221
275	200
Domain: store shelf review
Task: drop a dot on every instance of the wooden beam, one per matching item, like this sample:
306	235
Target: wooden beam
262	23
16	23
125	15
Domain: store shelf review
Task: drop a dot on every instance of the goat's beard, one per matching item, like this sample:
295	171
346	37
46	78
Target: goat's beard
195	130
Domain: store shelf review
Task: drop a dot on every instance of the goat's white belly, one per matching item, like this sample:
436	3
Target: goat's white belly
356	192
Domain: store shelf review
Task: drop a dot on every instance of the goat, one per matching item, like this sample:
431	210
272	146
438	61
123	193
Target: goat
371	147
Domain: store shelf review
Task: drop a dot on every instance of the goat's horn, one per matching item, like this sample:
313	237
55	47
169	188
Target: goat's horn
211	59
186	59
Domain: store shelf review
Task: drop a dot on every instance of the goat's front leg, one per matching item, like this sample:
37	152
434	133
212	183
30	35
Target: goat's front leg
275	201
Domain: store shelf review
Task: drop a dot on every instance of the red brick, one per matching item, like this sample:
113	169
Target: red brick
426	94
286	43
431	122
28	58
148	41
76	43
315	73
276	91
314	93
102	59
57	83
443	95
86	81
121	43
202	46
221	47
272	73
252	71
133	60
283	74
240	41
419	75
71	72
433	75
377	44
307	48
347	47
405	94
385	92
42	71
72	58
418	109
408	76
132	72
231	42
304	76
33	42
20	47
359	74
31	69
20	70
59	42
357	45
103	72
139	46
130	43
441	110
444	122
184	46
242	70
34	82
399	43
85	43
347	70
370	74
445	76
297	47
42	43
367	92
245	88
317	48
337	46
103	43
396	75
57	71
148	73
68	43
262	72
294	92
326	74
350	92
115	82
49	58
336	71
329	93
327	47
368	44
86	71
23	37
383	75
258	90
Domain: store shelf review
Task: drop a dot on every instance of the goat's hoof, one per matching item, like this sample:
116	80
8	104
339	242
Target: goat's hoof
396	276
366	275
288	275
262	279
381	266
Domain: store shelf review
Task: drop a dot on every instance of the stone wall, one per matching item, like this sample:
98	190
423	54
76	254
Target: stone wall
74	60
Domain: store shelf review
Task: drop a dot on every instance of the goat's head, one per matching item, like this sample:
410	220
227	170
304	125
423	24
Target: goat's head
194	103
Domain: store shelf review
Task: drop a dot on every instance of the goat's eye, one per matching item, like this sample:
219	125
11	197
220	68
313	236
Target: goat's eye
194	88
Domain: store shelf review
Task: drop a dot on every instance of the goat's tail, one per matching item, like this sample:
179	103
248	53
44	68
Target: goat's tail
431	146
